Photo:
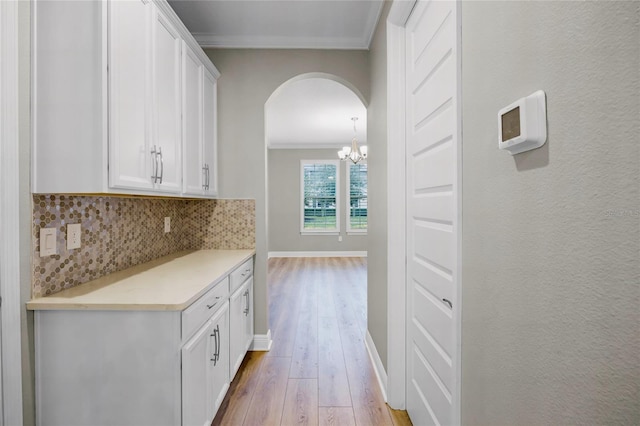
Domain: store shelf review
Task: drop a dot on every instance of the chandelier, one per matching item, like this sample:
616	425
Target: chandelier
353	153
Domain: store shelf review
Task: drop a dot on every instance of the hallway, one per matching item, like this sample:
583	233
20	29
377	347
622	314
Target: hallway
318	370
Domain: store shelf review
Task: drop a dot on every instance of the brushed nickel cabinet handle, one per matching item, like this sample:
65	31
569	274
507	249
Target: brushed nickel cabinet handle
217	344
247	304
204	173
154	172
161	164
214	356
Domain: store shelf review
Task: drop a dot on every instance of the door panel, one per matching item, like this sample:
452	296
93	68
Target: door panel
210	125
433	167
248	316
236	330
195	370
219	378
432	147
166	68
192	121
434	244
129	91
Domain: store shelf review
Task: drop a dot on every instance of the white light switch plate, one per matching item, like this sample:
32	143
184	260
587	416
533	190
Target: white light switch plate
167	224
47	242
74	231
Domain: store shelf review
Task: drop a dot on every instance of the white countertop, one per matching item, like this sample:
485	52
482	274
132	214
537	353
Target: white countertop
170	283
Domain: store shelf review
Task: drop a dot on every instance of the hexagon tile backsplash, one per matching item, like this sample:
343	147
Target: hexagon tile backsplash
120	232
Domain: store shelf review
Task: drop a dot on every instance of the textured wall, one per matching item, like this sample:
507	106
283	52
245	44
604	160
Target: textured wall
249	77
284	205
377	163
551	238
119	232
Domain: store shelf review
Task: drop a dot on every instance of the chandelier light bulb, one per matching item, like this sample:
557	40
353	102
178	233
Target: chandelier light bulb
353	153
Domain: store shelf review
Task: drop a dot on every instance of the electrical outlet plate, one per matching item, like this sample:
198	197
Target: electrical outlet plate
74	230
167	224
47	242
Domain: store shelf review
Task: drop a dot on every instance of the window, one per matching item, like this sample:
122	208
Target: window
357	197
320	195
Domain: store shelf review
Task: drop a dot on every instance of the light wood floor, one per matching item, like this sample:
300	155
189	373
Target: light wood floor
318	371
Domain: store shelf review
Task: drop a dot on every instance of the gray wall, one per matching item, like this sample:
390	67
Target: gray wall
377	169
551	238
284	204
248	78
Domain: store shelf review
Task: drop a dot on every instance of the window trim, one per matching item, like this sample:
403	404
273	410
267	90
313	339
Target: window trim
351	231
332	231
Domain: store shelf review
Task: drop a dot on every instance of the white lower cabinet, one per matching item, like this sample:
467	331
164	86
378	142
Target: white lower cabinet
219	361
196	355
140	367
205	370
241	314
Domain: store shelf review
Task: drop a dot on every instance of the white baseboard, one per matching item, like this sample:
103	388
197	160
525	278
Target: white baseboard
261	342
317	254
381	374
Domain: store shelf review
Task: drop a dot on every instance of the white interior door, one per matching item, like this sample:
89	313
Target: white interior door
433	255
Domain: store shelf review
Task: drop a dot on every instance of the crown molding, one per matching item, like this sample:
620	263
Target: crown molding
372	22
207	40
302	145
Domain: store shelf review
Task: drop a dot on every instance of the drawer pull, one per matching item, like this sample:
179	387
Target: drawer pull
211	306
246	308
216	354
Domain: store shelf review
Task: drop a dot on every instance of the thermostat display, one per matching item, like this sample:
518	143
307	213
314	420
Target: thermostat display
523	124
511	124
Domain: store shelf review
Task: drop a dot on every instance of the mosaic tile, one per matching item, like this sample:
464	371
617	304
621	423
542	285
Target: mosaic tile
120	232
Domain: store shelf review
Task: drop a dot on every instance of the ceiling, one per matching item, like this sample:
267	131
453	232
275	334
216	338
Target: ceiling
312	24
314	113
308	113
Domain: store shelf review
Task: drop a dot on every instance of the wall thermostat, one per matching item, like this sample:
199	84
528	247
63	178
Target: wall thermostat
522	126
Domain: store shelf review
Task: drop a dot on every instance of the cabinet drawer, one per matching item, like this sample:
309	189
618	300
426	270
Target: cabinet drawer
241	274
202	309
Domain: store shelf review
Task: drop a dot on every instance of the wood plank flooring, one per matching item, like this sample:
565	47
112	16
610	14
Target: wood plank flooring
318	371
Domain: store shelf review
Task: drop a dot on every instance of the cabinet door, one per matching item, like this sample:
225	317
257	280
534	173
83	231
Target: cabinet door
237	306
196	356
166	101
195	172
248	315
209	130
219	369
129	90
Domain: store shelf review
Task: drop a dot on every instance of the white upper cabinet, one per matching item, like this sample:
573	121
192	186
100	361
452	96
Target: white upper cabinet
192	94
209	128
130	158
199	126
167	138
111	89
